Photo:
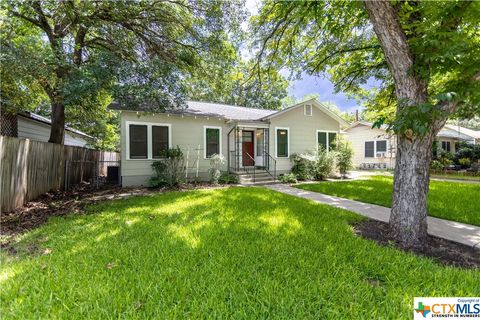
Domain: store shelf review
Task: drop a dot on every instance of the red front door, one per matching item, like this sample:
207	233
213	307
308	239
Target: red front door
247	148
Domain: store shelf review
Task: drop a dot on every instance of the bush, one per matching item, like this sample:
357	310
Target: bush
344	155
303	166
169	171
436	166
227	178
464	162
287	178
325	163
216	161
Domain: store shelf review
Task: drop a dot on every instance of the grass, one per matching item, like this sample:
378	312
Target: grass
456	176
241	253
448	200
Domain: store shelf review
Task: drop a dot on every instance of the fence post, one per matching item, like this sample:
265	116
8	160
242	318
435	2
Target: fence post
66	176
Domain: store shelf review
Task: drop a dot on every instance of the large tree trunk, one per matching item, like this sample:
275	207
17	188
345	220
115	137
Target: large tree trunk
408	219
57	128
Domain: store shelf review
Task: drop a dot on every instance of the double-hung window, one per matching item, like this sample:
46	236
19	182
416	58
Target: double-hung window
282	139
212	141
374	149
138	141
446	145
326	140
147	140
160	140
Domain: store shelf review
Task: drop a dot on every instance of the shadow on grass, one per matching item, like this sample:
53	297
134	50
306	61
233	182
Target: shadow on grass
236	253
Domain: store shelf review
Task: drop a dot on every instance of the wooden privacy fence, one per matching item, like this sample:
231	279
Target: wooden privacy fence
31	168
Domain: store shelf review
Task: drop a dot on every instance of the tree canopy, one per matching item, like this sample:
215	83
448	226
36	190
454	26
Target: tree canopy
75	53
338	38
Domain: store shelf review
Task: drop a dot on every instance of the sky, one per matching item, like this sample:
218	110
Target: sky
313	84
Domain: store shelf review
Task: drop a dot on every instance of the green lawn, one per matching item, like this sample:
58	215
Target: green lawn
448	200
240	253
455	176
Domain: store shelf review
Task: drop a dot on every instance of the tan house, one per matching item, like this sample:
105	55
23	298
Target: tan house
375	148
253	141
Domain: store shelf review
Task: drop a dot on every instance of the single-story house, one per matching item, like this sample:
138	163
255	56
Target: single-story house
248	138
375	148
29	125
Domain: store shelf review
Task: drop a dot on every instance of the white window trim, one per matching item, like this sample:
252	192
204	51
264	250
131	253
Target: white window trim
327	132
446	141
305	110
288	142
205	140
149	137
375	147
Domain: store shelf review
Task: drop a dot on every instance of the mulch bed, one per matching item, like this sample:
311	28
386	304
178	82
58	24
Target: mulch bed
35	213
443	251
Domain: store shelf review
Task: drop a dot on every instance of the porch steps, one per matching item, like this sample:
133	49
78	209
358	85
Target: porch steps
261	177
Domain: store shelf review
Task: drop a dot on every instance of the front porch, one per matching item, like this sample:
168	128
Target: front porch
248	152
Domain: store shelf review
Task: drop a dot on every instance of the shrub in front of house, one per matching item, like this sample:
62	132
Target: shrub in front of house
227	178
325	163
216	161
169	170
436	166
303	165
288	178
344	155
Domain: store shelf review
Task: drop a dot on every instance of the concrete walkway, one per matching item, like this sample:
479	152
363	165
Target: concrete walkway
455	231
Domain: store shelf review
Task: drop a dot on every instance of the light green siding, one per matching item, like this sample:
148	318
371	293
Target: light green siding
187	133
302	132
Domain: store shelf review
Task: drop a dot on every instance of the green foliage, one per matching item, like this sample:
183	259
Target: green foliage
170	170
227	178
216	162
469	151
303	166
337	38
288	178
325	163
233	83
344	154
464	162
315	165
447	200
226	251
77	55
436	166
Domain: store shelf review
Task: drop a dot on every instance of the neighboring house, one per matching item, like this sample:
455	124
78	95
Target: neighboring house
375	148
246	137
29	125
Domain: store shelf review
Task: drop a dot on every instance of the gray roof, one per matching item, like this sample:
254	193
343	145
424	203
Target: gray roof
449	133
212	109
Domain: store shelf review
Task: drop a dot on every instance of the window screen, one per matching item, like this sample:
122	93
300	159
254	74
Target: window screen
138	141
159	140
282	143
332	136
446	145
322	140
369	149
382	146
212	141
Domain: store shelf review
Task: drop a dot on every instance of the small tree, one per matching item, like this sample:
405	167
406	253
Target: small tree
216	161
344	153
169	171
325	163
